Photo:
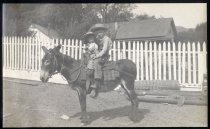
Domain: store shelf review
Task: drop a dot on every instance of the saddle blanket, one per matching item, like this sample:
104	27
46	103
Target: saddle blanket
109	71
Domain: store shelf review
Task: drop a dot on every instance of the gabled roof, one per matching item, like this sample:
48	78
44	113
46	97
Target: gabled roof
146	28
52	33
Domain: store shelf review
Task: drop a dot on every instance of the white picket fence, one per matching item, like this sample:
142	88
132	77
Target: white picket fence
185	62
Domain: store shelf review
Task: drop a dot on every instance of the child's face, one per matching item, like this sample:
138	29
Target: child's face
90	39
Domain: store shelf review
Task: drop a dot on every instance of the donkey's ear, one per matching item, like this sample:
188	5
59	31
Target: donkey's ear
45	49
58	48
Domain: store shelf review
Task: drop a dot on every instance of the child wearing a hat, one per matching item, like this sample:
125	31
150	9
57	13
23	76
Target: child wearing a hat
92	50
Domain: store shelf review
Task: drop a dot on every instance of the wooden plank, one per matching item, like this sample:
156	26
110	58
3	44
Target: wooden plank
4	51
12	61
7	49
204	58
69	49
29	53
142	63
194	64
200	65
129	50
189	62
118	51
72	48
76	49
159	61
124	50
114	51
137	60
24	53
183	63
155	60
174	61
18	53
80	49
164	61
169	60
150	62
32	54
64	46
39	53
146	60
15	52
179	62
171	101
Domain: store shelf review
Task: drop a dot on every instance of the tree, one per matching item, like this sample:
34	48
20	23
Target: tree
194	35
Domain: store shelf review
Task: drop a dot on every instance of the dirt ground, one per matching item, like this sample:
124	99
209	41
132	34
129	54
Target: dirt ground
43	105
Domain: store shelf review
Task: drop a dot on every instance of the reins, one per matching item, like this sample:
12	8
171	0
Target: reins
62	67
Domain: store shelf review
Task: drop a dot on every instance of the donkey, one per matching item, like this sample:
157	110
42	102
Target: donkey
55	62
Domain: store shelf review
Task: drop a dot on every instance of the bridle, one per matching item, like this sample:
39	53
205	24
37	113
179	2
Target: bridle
56	65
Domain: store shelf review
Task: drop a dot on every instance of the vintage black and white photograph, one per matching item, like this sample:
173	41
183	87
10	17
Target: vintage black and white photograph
104	65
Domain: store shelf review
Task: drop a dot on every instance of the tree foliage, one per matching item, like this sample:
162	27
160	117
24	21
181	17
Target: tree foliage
197	34
69	20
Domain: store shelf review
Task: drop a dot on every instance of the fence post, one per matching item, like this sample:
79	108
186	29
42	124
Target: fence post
15	52
164	61
76	50
169	61
155	59
150	61
80	49
146	60
12	61
4	51
18	53
7	49
142	63
174	61
69	41
179	62
124	52
72	48
204	58
118	51
137	60
129	50
194	63
159	62
32	53
64	46
189	62
183	63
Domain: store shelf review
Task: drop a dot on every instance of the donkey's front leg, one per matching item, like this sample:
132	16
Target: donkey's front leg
82	99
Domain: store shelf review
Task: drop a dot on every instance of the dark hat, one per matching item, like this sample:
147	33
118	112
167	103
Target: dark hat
98	27
87	35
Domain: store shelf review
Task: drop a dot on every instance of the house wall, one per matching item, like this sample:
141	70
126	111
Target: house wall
39	34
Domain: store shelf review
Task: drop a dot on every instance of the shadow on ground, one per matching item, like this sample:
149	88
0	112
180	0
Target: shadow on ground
116	113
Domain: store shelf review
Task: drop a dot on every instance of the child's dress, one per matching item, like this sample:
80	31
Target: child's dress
93	50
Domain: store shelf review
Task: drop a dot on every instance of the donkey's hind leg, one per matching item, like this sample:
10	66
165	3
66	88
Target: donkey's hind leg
129	89
128	86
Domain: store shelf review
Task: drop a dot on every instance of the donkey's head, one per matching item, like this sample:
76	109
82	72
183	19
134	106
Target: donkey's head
49	63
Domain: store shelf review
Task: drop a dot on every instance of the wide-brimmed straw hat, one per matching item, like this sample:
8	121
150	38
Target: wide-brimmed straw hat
98	27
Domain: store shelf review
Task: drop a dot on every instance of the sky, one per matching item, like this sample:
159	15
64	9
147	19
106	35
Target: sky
187	15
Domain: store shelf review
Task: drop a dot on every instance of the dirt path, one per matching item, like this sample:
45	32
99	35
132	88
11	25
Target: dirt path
41	106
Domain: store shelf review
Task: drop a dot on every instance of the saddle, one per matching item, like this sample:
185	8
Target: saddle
109	71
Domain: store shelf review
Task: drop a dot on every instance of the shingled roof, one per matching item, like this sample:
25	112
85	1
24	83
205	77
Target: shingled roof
146	28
